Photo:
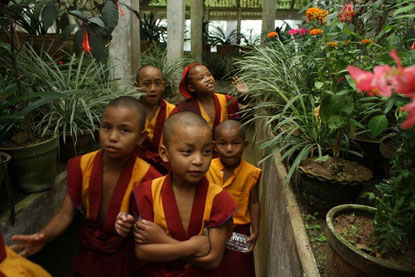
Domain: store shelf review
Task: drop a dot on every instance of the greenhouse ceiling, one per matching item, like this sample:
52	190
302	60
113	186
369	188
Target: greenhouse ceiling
232	9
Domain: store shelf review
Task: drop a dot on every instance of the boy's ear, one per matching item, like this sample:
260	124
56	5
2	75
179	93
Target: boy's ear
163	153
143	136
246	143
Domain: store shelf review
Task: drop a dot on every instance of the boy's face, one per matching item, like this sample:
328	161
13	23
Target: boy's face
119	132
200	80
230	146
151	83
189	152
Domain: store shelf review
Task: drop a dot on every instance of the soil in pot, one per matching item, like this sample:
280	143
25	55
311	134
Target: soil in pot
323	187
351	250
357	229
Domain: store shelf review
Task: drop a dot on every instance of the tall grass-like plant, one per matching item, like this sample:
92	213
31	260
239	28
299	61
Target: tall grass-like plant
79	112
274	77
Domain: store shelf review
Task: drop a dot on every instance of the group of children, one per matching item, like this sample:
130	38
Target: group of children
153	201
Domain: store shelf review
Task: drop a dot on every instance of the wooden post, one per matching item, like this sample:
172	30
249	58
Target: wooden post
196	17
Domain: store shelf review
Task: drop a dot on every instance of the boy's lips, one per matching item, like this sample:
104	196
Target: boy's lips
195	173
111	149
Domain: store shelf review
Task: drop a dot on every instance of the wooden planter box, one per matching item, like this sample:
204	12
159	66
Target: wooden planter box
283	246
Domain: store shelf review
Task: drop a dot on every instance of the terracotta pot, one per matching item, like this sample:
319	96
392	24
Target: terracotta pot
206	48
69	149
371	156
346	260
323	193
33	166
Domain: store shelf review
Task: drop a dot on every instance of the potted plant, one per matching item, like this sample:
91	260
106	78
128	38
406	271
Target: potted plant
225	44
152	31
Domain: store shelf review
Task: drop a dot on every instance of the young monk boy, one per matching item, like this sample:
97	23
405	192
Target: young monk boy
197	86
183	204
241	180
150	81
99	185
15	265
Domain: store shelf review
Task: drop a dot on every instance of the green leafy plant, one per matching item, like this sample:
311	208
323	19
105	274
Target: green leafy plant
79	112
152	28
219	37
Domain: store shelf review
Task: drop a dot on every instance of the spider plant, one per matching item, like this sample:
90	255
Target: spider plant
219	37
274	77
77	113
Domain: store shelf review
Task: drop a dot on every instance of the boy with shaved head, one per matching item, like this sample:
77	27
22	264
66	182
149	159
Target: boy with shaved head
184	204
99	185
150	82
241	180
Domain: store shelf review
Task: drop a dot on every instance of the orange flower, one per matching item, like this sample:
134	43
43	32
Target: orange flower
317	14
365	41
272	35
347	13
316	32
332	44
85	42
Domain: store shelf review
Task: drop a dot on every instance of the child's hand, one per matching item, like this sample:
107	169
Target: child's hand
201	245
124	223
252	240
148	232
28	244
239	85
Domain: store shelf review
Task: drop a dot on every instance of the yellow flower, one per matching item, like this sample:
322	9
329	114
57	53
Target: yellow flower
272	35
316	32
332	44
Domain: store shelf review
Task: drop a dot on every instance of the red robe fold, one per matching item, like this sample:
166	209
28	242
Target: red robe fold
229	110
149	149
212	207
101	251
2	249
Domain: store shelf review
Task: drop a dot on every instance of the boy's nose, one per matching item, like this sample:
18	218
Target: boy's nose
229	148
197	159
113	137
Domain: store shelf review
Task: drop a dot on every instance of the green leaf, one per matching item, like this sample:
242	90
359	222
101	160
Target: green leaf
337	121
49	14
322	158
110	16
97	21
331	105
377	125
68	31
98	49
404	9
79	14
348	105
318	85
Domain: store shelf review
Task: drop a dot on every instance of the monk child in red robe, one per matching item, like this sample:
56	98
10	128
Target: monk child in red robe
99	184
14	265
150	82
184	204
198	86
241	180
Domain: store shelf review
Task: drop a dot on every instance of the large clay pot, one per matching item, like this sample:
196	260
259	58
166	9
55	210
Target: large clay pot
33	166
68	149
323	193
226	49
346	260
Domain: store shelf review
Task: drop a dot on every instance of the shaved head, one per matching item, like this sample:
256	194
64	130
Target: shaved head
137	75
130	102
182	119
228	125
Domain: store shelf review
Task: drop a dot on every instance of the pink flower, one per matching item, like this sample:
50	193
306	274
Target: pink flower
372	83
410	119
299	31
404	79
347	13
